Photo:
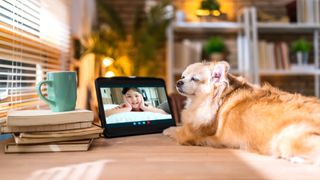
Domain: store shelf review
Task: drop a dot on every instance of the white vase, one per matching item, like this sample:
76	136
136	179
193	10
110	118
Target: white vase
302	58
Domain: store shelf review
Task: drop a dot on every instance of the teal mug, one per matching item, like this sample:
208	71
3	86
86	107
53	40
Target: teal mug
61	89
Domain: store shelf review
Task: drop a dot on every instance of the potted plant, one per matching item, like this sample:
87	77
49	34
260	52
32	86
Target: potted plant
302	48
210	5
214	48
209	10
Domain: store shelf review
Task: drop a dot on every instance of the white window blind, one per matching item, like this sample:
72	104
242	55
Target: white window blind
34	39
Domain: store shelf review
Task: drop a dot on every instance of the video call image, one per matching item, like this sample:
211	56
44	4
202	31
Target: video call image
135	104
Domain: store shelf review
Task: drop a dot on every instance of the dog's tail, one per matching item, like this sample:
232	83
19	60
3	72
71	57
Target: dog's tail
298	143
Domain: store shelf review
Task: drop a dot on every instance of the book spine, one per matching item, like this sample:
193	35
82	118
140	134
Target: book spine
11	148
19	140
50	119
59	127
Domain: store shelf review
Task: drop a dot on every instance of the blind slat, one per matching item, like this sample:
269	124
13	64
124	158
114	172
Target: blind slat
18	74
16	67
18	97
18	25
26	6
28	55
25	17
28	49
3	105
29	43
29	105
18	81
25	38
30	61
22	94
18	104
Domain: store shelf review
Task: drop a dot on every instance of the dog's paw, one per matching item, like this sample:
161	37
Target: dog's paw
171	132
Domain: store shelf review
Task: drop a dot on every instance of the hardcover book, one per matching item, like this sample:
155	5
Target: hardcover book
47	117
41	128
20	140
45	137
82	145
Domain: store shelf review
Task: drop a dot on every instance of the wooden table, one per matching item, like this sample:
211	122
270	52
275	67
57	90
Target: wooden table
150	157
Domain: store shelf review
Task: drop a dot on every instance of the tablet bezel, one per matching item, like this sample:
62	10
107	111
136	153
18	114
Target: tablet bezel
130	130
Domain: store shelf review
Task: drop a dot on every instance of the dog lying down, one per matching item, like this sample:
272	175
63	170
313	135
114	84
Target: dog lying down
227	111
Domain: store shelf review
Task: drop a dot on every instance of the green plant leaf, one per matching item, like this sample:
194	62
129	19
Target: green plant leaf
214	45
301	45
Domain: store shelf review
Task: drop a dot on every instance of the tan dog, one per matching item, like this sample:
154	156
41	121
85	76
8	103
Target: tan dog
226	111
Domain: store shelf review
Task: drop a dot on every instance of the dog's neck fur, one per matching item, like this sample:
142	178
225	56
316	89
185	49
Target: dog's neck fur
236	83
209	122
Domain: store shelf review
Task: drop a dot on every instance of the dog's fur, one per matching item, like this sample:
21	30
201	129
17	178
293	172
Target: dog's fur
227	111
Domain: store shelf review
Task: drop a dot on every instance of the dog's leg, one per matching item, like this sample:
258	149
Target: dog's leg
183	135
212	141
302	146
172	132
180	134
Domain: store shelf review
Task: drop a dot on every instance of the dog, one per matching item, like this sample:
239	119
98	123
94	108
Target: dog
225	111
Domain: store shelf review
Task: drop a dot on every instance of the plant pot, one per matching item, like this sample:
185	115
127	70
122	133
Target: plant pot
216	57
302	58
209	19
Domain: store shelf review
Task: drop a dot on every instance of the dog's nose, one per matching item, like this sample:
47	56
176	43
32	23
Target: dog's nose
179	83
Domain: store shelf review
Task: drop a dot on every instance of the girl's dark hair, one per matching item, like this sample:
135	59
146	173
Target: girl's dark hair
126	89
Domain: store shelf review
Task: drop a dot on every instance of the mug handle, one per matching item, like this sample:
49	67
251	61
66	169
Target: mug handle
42	97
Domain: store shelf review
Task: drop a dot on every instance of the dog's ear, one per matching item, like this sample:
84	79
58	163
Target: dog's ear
219	71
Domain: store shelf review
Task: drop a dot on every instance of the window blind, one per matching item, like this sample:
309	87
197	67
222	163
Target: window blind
34	40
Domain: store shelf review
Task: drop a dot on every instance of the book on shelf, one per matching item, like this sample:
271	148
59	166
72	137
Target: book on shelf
41	128
273	55
69	135
308	11
47	117
81	145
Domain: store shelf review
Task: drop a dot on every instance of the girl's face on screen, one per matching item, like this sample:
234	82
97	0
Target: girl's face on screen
134	98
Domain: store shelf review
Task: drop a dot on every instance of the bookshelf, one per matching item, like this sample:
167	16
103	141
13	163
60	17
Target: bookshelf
239	32
249	32
309	29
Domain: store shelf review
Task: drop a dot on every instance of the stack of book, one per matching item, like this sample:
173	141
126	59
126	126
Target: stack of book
47	131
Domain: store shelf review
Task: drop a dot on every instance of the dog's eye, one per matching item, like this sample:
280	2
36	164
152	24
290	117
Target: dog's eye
195	79
182	77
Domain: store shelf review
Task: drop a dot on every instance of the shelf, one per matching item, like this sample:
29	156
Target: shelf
289	72
287	27
220	27
178	71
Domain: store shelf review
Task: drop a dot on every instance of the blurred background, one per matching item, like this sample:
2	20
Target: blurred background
273	41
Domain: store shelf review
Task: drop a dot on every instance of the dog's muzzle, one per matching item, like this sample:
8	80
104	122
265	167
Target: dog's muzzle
180	83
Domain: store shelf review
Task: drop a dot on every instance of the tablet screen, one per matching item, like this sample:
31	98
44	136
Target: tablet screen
135	105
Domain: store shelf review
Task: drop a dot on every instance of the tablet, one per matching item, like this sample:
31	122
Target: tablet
132	106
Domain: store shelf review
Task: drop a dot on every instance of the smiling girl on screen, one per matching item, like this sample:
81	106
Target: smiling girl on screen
133	101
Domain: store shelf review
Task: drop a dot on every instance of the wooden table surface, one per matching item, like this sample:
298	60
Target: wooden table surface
149	157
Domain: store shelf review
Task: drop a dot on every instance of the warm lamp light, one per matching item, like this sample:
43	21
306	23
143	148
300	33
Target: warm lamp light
202	12
107	61
216	13
109	74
